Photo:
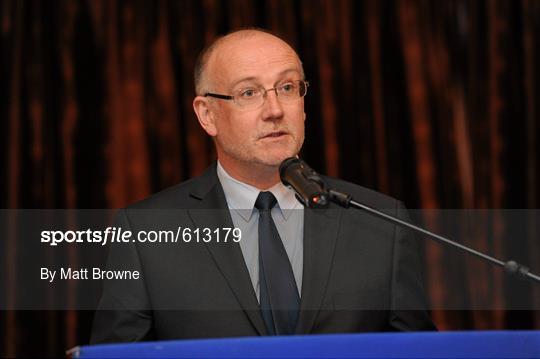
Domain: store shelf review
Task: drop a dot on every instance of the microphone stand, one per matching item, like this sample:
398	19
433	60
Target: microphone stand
511	267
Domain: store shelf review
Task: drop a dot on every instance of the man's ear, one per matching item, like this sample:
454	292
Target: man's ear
205	115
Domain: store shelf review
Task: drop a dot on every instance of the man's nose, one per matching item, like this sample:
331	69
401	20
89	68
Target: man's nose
272	106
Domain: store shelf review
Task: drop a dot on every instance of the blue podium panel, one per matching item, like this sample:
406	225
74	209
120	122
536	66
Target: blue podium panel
471	344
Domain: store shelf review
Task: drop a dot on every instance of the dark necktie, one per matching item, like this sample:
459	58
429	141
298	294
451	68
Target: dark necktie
279	297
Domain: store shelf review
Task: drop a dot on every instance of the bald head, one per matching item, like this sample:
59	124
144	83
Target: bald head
216	54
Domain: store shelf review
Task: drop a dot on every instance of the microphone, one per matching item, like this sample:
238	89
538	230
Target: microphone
313	193
307	184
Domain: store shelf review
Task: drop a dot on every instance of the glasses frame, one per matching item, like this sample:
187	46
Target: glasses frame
230	97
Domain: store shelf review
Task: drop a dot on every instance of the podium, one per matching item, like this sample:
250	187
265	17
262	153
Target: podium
492	344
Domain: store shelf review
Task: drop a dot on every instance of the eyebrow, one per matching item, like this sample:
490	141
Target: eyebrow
252	78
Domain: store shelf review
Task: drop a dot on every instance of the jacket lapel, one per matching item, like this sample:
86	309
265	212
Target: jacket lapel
212	212
320	235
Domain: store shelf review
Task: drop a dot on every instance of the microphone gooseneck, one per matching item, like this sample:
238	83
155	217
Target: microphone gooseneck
314	193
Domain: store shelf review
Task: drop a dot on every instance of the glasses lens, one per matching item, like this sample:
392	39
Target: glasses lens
249	97
252	98
292	90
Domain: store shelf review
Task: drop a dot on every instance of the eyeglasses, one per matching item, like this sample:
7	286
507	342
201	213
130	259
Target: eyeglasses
253	97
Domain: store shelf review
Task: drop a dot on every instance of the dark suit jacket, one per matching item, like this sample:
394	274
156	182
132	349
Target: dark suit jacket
360	273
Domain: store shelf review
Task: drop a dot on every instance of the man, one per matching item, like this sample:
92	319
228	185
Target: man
295	270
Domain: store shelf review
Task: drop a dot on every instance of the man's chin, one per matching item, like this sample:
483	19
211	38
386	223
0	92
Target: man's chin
274	161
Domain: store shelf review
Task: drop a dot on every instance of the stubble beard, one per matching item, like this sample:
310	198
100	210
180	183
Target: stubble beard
257	157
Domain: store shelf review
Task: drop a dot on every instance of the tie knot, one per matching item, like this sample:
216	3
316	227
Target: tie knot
265	201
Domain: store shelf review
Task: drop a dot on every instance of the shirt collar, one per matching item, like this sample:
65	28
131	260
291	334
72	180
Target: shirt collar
241	196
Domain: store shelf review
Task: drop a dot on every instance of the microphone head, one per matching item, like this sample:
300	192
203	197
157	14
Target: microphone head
308	186
285	165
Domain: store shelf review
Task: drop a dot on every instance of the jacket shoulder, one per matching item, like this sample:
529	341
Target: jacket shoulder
174	197
184	195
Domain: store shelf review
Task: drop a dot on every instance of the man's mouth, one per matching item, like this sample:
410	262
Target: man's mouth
275	134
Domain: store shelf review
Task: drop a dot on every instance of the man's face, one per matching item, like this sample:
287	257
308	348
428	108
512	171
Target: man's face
270	133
